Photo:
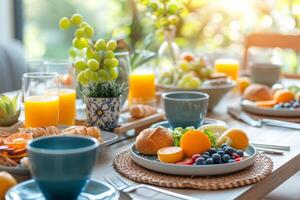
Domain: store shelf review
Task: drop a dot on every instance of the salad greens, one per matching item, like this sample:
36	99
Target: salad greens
179	132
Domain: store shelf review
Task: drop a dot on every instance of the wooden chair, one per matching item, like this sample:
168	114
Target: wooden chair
271	40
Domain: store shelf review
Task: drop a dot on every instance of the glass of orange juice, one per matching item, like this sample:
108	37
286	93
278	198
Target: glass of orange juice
142	87
67	91
230	67
41	108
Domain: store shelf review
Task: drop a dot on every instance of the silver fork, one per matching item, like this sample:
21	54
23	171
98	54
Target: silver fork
125	188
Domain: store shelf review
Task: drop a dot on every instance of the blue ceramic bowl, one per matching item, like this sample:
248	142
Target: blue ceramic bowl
185	108
62	165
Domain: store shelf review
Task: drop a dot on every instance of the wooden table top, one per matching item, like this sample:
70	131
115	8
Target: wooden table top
284	166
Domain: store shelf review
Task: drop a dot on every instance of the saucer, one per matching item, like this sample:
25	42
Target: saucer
29	190
166	124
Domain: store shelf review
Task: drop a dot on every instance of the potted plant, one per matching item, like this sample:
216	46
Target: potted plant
9	114
97	71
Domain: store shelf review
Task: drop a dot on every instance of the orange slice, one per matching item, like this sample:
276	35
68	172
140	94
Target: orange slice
194	142
236	138
170	154
282	96
18	140
265	104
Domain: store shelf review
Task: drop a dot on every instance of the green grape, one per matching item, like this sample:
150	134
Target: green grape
115	62
109	54
95	76
164	21
80	43
113	73
109	62
80	65
111	45
90	53
100	45
172	9
88	74
194	83
64	23
93	64
79	33
81	78
72	52
103	75
153	6
89	31
83	24
76	19
184	66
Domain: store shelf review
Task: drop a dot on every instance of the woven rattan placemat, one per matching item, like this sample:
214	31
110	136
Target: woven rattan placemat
260	169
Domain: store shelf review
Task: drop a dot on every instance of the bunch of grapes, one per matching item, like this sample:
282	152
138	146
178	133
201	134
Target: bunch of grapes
94	61
192	71
166	12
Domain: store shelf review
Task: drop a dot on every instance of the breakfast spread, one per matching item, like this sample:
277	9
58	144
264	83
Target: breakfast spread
209	144
276	98
13	149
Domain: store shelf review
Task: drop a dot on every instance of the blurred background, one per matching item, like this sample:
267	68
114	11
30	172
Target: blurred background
209	27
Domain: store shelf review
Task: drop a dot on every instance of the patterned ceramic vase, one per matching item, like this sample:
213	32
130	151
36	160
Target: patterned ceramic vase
103	112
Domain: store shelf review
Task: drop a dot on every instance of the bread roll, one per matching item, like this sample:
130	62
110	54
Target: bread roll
257	92
150	140
140	111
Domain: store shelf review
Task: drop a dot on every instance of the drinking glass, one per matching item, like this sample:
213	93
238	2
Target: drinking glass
41	100
230	67
123	72
67	89
35	66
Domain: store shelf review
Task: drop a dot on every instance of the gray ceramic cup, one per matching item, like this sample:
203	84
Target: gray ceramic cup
184	108
265	73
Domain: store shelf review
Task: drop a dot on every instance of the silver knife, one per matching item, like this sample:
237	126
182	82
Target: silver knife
259	123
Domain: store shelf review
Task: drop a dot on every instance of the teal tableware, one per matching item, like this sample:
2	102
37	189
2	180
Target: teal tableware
29	190
61	165
184	108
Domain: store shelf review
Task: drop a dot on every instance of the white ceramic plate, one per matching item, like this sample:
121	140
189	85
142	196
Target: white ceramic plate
152	163
19	170
249	106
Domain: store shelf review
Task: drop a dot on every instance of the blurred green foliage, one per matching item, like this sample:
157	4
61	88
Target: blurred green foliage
208	26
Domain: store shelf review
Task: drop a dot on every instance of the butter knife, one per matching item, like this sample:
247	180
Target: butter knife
238	114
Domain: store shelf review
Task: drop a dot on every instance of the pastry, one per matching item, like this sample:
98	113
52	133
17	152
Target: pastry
257	92
84	131
150	140
140	111
7	162
41	131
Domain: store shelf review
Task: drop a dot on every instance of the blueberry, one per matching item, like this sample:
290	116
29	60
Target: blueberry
205	156
221	152
219	149
216	158
200	161
229	150
212	151
231	161
209	161
286	105
240	153
224	145
296	104
206	153
225	158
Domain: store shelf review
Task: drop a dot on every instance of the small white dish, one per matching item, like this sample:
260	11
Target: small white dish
250	107
152	163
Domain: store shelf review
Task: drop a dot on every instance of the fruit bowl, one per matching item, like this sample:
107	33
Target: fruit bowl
152	163
215	92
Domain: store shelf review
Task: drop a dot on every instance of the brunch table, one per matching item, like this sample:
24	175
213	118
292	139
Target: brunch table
284	166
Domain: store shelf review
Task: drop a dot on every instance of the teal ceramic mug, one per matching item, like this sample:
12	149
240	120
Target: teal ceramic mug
62	165
185	108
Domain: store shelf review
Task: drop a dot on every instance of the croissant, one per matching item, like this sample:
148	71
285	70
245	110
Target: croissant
41	131
140	111
85	131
